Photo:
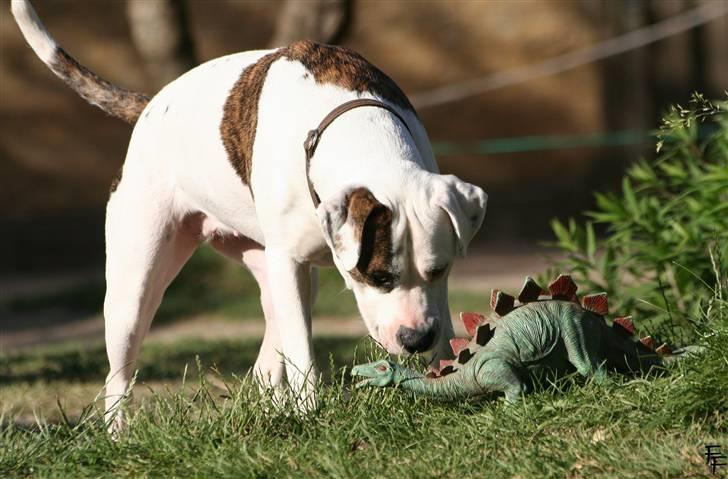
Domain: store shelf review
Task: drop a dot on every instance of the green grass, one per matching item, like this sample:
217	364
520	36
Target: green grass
197	414
215	424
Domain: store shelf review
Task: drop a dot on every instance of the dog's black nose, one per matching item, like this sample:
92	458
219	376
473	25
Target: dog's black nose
416	340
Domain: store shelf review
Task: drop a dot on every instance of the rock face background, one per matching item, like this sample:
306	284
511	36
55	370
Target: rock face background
58	154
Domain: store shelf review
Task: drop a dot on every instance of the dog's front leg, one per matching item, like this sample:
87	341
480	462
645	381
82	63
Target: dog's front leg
290	283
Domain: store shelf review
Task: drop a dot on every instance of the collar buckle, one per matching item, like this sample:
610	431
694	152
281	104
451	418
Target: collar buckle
311	141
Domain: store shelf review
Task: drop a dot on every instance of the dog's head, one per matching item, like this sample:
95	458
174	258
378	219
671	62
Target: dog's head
396	251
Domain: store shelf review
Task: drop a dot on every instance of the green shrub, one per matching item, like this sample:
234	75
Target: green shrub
666	233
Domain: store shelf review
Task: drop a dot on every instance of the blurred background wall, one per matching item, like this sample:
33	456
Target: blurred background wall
525	144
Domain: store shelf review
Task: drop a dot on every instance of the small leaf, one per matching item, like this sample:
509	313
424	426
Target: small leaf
591	244
629	197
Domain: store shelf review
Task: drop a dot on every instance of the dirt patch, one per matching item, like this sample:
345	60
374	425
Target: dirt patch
502	266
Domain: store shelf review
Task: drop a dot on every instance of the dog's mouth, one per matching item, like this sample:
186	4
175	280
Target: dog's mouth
395	349
391	347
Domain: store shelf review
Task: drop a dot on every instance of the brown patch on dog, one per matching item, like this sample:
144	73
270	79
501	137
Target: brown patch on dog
345	68
240	115
373	226
328	64
115	101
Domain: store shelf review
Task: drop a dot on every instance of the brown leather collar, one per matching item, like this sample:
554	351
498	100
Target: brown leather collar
314	136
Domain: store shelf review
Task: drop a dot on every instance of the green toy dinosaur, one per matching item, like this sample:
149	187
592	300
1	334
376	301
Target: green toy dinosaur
554	334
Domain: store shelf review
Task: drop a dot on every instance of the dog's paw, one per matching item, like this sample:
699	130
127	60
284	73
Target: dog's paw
115	424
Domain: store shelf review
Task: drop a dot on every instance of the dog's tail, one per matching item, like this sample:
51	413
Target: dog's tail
115	101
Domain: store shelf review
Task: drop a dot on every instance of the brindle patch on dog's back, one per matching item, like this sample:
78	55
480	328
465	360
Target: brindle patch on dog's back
240	115
328	64
345	68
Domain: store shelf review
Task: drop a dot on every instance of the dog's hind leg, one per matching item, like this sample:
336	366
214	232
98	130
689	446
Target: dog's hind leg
314	284
146	246
269	367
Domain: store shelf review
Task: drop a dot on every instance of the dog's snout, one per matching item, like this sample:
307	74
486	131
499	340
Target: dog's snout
416	340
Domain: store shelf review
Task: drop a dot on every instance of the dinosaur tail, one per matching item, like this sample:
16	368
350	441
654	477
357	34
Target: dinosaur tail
683	353
115	101
627	355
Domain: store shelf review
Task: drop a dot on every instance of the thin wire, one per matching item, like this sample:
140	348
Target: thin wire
614	46
494	146
526	144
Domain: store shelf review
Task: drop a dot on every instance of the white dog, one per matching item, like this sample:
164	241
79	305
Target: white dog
218	155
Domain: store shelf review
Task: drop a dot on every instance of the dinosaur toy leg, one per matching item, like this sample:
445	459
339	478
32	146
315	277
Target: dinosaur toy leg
496	374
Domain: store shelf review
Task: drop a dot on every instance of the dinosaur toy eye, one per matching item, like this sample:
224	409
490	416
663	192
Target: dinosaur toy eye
382	368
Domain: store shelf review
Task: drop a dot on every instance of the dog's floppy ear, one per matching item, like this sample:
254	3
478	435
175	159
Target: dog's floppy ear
345	219
465	205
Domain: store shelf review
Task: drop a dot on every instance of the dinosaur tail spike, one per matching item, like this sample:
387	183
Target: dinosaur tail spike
501	302
483	334
664	350
446	367
596	303
458	344
460	349
432	372
471	322
465	355
649	342
563	287
530	291
625	324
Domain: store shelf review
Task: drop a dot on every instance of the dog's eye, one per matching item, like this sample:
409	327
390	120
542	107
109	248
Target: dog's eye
382	279
436	273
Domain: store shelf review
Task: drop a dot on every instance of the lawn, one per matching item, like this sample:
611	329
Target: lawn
196	412
211	422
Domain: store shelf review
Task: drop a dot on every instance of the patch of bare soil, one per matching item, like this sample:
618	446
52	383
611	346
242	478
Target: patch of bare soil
502	266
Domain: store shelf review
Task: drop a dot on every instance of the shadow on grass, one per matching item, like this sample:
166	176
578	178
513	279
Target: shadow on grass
207	284
162	361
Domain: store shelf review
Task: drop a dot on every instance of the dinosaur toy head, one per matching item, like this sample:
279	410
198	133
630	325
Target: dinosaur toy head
379	373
